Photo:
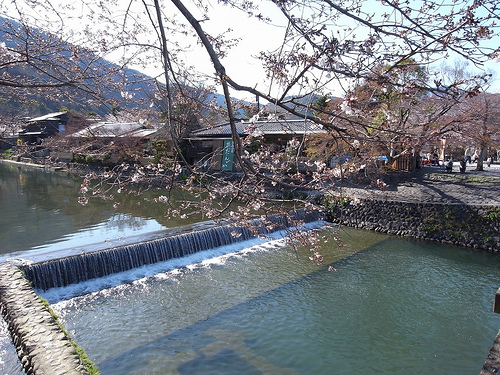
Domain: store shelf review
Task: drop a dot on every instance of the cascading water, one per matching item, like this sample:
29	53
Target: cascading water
78	268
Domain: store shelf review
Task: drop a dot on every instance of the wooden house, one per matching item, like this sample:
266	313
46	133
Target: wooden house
42	127
213	147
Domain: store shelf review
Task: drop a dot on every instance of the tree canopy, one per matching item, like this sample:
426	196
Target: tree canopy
381	57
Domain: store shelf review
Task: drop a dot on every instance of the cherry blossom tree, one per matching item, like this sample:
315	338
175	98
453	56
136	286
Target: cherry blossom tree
479	125
325	48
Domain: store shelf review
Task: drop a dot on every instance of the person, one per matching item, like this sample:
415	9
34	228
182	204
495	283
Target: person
488	161
435	159
475	156
468	155
463	164
449	165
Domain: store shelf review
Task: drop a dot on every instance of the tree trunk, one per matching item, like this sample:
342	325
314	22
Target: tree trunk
480	159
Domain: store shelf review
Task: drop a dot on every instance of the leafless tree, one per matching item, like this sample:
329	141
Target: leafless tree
326	47
478	120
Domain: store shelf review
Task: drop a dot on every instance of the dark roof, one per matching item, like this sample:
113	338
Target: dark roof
298	127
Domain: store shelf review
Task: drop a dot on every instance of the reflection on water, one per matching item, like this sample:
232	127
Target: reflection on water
118	229
41	214
396	307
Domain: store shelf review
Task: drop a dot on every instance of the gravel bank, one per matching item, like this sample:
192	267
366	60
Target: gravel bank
432	184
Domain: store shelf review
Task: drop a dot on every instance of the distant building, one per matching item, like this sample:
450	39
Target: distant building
116	130
214	146
111	142
42	127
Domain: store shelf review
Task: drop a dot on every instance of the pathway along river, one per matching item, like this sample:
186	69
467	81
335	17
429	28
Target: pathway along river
386	305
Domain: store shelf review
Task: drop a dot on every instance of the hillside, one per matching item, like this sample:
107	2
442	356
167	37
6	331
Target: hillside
116	86
55	61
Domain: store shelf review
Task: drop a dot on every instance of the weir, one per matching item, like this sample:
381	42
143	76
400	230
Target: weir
78	268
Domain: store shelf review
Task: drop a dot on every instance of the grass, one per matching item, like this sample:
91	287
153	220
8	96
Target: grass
90	366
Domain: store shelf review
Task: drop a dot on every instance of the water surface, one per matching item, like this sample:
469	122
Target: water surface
386	305
41	217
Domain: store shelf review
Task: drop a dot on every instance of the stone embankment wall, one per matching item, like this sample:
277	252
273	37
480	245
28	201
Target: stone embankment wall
41	344
476	227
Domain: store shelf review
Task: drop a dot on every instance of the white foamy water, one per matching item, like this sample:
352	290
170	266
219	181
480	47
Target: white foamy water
201	258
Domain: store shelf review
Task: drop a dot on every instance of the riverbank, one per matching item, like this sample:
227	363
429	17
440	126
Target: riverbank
50	167
429	204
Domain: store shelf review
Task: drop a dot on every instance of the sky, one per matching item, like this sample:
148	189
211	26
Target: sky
254	37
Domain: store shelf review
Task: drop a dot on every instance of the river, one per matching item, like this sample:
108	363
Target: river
377	304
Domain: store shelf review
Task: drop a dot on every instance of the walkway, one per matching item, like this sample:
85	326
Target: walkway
432	184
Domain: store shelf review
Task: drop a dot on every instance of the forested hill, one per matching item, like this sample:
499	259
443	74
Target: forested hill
16	100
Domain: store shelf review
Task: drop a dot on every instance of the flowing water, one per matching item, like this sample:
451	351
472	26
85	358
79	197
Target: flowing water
377	304
385	306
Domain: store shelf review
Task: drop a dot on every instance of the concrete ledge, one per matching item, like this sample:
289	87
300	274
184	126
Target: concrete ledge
492	364
496	304
41	344
26	163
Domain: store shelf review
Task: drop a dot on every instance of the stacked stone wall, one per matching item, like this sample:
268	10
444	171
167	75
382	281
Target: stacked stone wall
41	344
476	227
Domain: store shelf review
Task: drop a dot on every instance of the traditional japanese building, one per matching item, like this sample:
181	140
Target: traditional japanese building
42	127
213	146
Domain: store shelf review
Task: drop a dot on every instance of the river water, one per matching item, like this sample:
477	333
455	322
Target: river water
377	304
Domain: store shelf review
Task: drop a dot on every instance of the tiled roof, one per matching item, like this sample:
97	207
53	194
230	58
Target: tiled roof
109	129
50	116
298	127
